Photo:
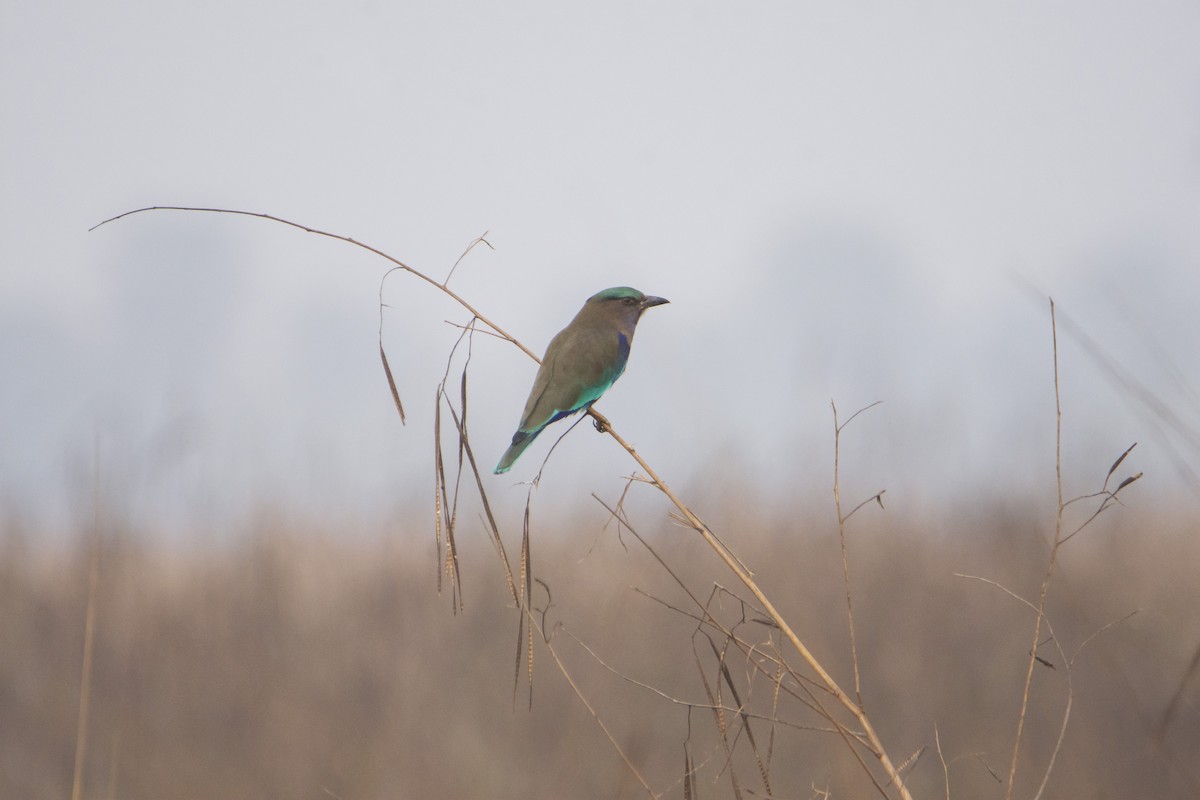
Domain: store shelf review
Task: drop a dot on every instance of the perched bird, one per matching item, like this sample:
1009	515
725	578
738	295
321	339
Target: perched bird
582	361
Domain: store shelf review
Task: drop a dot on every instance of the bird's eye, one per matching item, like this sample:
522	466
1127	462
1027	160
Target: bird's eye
629	301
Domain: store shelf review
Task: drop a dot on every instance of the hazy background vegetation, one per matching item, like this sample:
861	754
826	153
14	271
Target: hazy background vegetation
302	661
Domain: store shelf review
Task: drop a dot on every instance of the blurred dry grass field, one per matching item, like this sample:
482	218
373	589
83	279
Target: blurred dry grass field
301	663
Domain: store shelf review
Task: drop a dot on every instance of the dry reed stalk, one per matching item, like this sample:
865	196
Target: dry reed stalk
89	637
85	678
1041	604
837	501
1039	608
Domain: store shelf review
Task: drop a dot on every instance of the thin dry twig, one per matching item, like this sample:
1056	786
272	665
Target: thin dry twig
690	704
442	497
727	676
566	673
387	368
1109	495
1066	718
89	639
937	741
1110	498
1068	667
480	239
1041	605
837	500
705	618
318	232
714	701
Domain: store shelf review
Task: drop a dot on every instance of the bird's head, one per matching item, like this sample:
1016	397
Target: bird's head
624	302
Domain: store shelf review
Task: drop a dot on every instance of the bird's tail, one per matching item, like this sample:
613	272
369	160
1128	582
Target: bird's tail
520	441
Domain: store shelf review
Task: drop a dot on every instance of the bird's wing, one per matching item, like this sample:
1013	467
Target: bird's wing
577	369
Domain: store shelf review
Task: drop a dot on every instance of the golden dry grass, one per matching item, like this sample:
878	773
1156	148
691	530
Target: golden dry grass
304	663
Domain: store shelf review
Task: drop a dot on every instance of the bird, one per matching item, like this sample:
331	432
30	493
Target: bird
582	361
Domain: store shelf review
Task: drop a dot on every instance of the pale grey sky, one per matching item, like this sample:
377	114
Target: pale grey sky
842	201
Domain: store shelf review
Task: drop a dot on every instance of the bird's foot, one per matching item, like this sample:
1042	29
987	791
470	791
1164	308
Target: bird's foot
601	425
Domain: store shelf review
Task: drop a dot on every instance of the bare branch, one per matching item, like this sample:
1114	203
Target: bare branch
1041	605
482	238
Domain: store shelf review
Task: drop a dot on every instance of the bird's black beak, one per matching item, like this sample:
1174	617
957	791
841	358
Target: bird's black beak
653	301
